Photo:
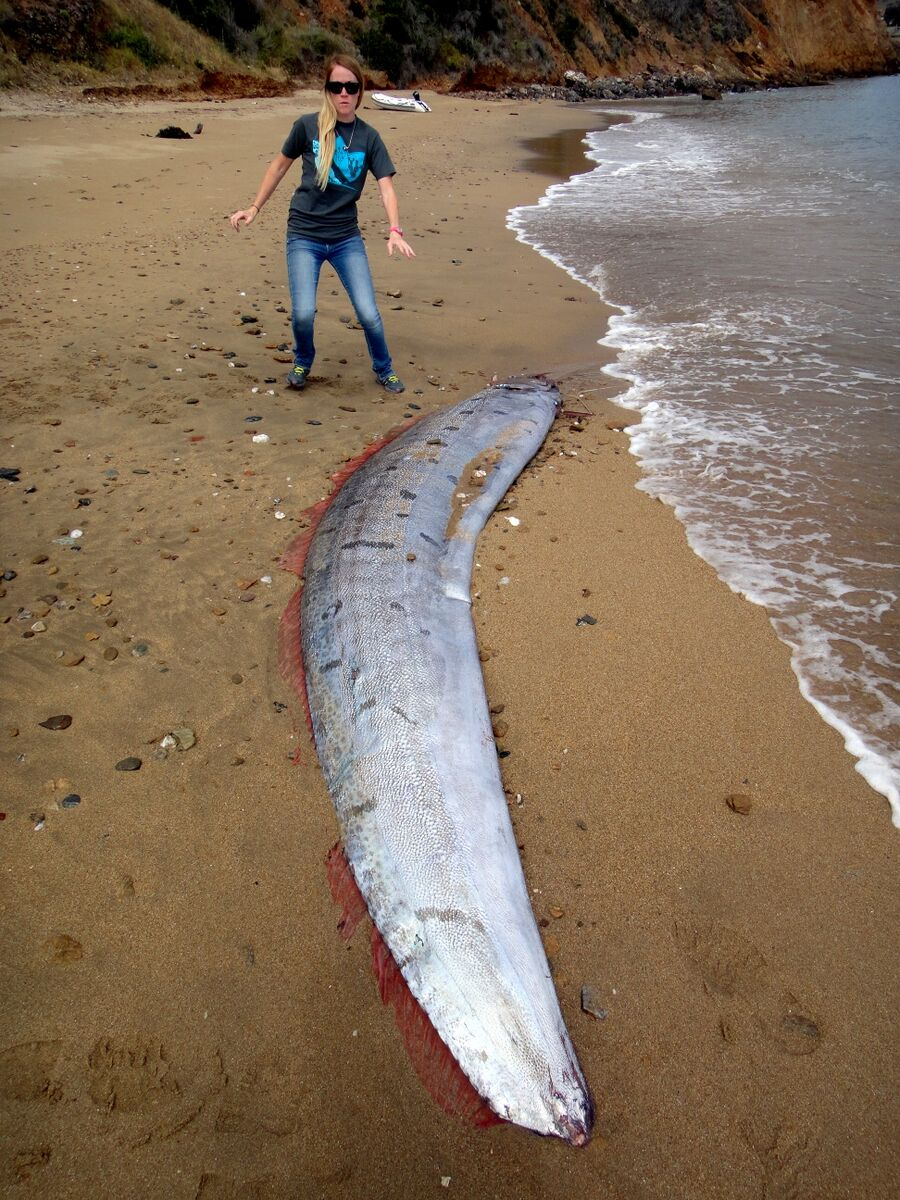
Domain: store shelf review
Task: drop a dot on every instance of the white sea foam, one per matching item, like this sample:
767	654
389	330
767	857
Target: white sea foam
754	331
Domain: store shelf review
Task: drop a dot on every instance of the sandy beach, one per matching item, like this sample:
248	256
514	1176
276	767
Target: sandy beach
179	1018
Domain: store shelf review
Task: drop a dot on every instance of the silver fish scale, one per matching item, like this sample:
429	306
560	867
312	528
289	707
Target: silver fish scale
403	732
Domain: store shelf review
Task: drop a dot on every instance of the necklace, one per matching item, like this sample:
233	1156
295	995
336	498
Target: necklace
352	131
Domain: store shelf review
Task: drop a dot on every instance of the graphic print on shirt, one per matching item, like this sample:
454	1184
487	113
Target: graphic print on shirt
347	165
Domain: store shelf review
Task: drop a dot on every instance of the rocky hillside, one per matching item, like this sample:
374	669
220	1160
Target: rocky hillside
472	44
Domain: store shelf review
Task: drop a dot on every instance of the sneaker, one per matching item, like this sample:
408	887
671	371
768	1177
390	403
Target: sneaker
297	377
391	383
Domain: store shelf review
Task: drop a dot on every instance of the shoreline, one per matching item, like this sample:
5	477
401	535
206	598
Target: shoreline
182	1019
566	154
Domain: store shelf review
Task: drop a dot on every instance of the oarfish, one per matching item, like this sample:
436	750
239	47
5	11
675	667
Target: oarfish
403	732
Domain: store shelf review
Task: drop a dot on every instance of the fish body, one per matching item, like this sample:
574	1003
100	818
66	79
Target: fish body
403	732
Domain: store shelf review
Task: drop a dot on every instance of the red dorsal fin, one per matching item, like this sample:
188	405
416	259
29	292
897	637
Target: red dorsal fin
345	892
290	657
294	556
290	653
433	1062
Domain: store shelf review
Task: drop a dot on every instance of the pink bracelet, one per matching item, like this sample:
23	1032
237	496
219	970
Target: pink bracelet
394	229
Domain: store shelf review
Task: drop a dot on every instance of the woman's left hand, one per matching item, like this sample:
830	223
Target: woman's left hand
396	242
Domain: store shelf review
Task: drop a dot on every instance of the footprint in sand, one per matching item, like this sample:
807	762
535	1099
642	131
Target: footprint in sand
131	1074
264	1097
27	1163
63	948
732	966
135	1079
138	1079
32	1071
784	1155
217	1187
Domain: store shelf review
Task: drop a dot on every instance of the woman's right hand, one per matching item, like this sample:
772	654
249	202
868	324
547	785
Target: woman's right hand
245	215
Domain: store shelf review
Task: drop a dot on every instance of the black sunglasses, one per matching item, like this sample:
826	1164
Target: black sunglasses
336	87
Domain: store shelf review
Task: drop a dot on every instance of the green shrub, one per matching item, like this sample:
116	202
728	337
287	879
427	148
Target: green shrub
230	22
621	19
129	36
454	57
410	38
69	30
300	51
727	23
568	30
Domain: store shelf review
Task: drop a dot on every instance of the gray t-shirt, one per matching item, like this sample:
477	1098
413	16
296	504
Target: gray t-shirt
330	215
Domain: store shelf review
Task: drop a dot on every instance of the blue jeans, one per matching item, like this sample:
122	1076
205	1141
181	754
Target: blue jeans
305	257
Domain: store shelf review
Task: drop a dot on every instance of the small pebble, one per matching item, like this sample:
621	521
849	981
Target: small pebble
237	678
587	619
590	1005
72	659
71	801
110	654
129	764
63	721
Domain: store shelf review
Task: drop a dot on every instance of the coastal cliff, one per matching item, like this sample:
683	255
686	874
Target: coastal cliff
479	44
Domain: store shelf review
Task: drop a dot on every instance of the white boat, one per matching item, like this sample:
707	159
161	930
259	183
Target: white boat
413	103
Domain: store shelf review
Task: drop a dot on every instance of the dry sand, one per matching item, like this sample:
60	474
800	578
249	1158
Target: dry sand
179	1017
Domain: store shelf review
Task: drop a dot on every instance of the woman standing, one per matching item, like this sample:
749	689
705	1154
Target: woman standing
337	151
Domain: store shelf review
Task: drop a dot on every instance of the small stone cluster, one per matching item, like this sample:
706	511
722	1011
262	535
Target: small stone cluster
648	85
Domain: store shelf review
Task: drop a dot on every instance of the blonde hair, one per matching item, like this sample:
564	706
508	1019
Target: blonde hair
328	115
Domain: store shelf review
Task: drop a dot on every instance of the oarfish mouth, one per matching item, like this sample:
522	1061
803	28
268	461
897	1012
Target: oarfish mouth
575	1132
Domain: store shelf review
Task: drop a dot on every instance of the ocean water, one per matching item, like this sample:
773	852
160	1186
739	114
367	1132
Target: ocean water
751	249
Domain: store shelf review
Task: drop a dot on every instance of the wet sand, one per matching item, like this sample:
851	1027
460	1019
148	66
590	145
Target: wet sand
179	1017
